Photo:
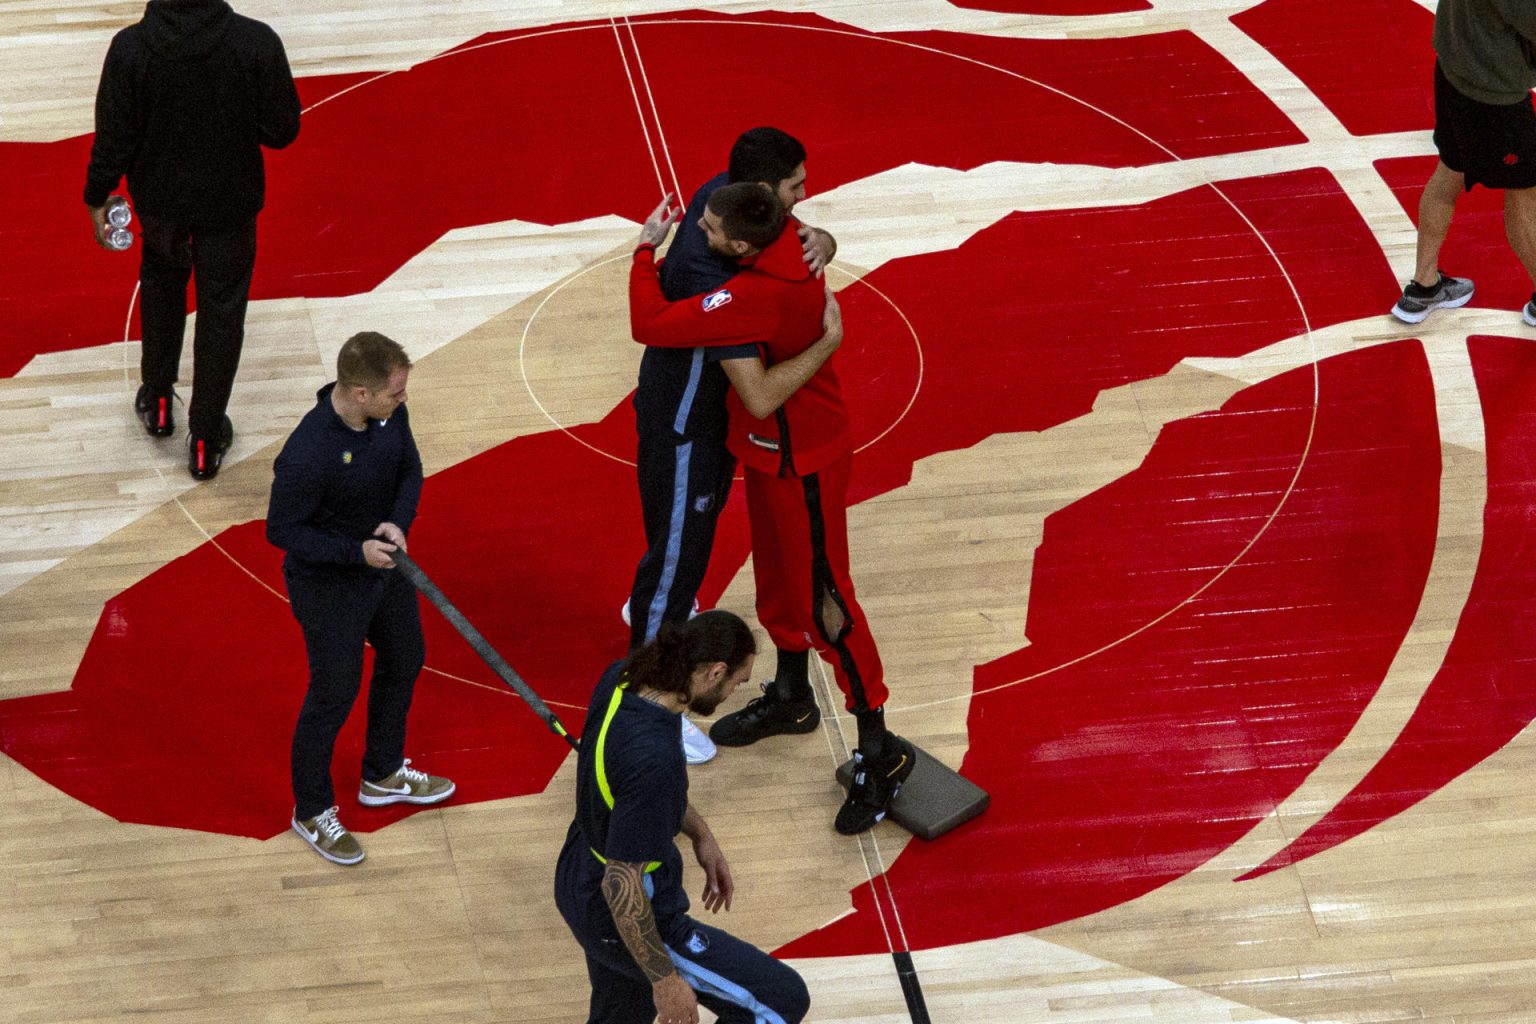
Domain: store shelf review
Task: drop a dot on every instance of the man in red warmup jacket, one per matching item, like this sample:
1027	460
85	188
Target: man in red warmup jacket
789	431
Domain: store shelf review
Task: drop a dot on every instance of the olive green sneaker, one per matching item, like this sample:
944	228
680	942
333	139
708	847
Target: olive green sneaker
329	839
406	786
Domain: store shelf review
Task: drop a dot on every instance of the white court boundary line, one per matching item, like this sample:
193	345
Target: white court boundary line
645	129
661	134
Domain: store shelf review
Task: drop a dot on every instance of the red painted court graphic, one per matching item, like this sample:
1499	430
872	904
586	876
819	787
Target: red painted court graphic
1481	697
1116	762
1369	97
1120	772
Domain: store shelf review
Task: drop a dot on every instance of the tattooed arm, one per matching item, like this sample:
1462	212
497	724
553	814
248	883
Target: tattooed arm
624	889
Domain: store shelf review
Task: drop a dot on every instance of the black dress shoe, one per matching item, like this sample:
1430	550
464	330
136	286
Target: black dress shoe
206	455
156	409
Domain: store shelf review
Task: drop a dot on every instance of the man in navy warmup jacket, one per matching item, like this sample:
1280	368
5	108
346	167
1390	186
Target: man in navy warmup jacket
344	494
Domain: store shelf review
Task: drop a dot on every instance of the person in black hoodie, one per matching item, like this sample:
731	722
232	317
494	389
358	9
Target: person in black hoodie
188	97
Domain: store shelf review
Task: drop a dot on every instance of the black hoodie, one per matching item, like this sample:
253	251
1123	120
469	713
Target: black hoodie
188	97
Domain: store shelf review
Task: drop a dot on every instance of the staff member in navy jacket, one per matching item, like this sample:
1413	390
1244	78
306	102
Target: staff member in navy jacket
344	494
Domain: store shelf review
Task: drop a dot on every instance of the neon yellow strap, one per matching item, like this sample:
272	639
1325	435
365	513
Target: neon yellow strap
602	739
652	866
602	772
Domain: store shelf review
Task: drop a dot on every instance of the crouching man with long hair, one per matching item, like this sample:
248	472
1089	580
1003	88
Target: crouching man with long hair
619	883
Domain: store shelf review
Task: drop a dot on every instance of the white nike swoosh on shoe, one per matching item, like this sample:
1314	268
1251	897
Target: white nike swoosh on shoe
403	790
313	839
802	718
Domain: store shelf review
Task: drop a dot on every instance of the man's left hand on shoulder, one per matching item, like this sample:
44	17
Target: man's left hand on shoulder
818	248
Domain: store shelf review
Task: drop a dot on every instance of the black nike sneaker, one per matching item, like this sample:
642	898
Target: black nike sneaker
876	781
767	715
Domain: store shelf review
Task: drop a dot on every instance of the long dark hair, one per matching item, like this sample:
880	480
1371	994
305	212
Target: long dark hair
668	662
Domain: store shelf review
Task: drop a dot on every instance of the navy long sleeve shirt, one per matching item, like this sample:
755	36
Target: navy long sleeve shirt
332	486
682	391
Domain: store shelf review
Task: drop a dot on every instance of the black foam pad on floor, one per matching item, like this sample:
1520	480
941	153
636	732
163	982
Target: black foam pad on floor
934	799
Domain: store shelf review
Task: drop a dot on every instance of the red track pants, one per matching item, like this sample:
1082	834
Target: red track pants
800	562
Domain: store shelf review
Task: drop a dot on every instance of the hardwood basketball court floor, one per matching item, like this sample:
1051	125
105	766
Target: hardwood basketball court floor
1220	580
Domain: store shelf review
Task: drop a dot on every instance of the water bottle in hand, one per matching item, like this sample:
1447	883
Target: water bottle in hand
119	216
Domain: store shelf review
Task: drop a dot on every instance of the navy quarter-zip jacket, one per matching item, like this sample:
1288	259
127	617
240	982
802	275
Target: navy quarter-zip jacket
332	485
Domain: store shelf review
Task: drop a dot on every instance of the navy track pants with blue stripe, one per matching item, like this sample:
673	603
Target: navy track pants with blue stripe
735	979
684	483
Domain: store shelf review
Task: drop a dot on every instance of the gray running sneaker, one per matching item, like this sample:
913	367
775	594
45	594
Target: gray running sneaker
329	839
406	786
1418	302
1528	314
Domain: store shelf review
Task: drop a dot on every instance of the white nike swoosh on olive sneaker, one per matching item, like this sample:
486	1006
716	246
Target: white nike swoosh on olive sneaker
313	838
404	789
